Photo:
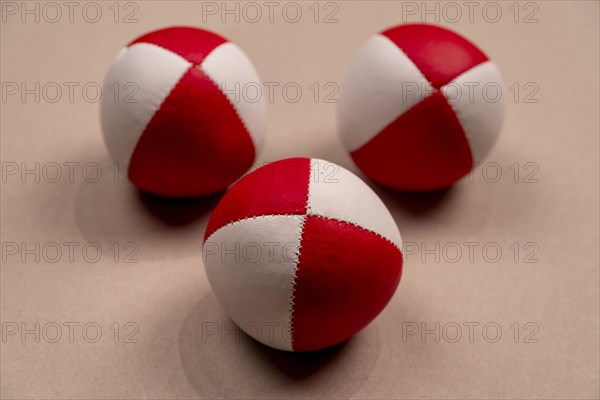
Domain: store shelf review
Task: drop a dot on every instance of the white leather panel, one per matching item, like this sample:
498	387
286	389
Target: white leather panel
251	265
232	71
477	98
335	192
151	73
381	84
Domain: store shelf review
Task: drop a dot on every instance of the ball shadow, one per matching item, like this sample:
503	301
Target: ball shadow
417	203
414	203
463	206
224	362
178	212
108	212
296	366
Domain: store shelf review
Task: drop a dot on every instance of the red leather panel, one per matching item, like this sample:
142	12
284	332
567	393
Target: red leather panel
440	54
191	136
346	275
423	149
278	188
190	43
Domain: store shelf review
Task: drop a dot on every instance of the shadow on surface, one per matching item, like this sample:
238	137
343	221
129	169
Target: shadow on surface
178	212
296	366
226	364
108	212
415	203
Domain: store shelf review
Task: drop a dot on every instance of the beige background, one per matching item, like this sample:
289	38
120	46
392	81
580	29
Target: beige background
166	294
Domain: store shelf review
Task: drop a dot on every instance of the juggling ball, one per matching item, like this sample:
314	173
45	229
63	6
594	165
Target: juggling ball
302	254
185	126
419	106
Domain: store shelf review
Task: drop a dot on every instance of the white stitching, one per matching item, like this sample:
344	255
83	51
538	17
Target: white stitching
358	226
252	217
293	296
302	226
219	87
166	96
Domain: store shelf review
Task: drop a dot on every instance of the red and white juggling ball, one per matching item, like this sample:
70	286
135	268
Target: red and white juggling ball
302	254
419	105
186	129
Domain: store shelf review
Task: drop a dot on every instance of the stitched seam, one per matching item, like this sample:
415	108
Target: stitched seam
293	295
417	68
411	107
358	226
425	76
170	51
307	206
303	223
253	217
199	66
235	110
455	112
165	98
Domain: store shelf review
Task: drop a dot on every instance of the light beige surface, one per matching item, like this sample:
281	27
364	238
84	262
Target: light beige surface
166	294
